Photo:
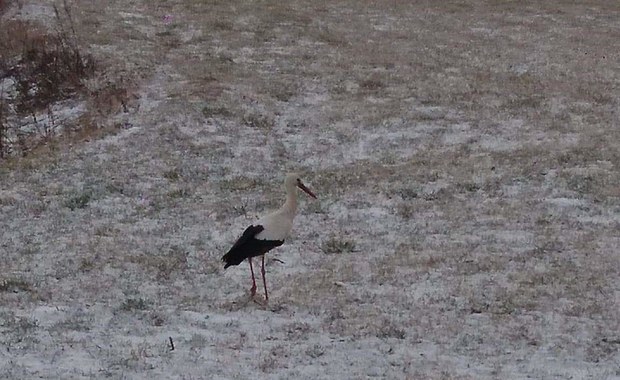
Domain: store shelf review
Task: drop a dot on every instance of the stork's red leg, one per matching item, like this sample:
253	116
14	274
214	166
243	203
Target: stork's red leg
264	281
253	288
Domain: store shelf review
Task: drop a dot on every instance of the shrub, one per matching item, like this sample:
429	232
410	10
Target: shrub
37	69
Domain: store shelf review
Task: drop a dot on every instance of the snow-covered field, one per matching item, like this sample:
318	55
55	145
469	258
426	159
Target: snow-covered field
466	158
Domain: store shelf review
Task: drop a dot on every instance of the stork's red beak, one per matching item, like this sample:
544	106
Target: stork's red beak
306	190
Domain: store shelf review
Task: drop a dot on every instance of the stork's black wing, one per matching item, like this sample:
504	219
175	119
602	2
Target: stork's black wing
248	246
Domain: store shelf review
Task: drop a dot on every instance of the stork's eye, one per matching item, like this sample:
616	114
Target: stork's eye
298	180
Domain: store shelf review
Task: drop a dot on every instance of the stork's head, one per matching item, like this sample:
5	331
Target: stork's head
294	180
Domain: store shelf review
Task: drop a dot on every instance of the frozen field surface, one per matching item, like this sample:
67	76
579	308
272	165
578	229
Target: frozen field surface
466	158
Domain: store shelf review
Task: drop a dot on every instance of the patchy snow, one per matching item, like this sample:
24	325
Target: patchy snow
7	88
467	242
43	13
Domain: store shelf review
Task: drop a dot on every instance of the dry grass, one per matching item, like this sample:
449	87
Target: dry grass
4	4
465	157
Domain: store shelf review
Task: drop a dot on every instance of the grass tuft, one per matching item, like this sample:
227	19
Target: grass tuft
15	285
131	304
79	201
337	244
172	175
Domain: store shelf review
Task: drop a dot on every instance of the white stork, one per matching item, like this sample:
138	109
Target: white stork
268	232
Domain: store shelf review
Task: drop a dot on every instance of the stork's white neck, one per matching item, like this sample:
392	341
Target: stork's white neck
290	206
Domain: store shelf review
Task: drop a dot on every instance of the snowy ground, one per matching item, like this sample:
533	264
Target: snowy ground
470	153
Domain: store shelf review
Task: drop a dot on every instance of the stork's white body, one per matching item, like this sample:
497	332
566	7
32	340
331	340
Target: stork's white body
278	224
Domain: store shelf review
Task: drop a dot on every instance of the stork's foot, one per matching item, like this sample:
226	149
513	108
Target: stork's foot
260	301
